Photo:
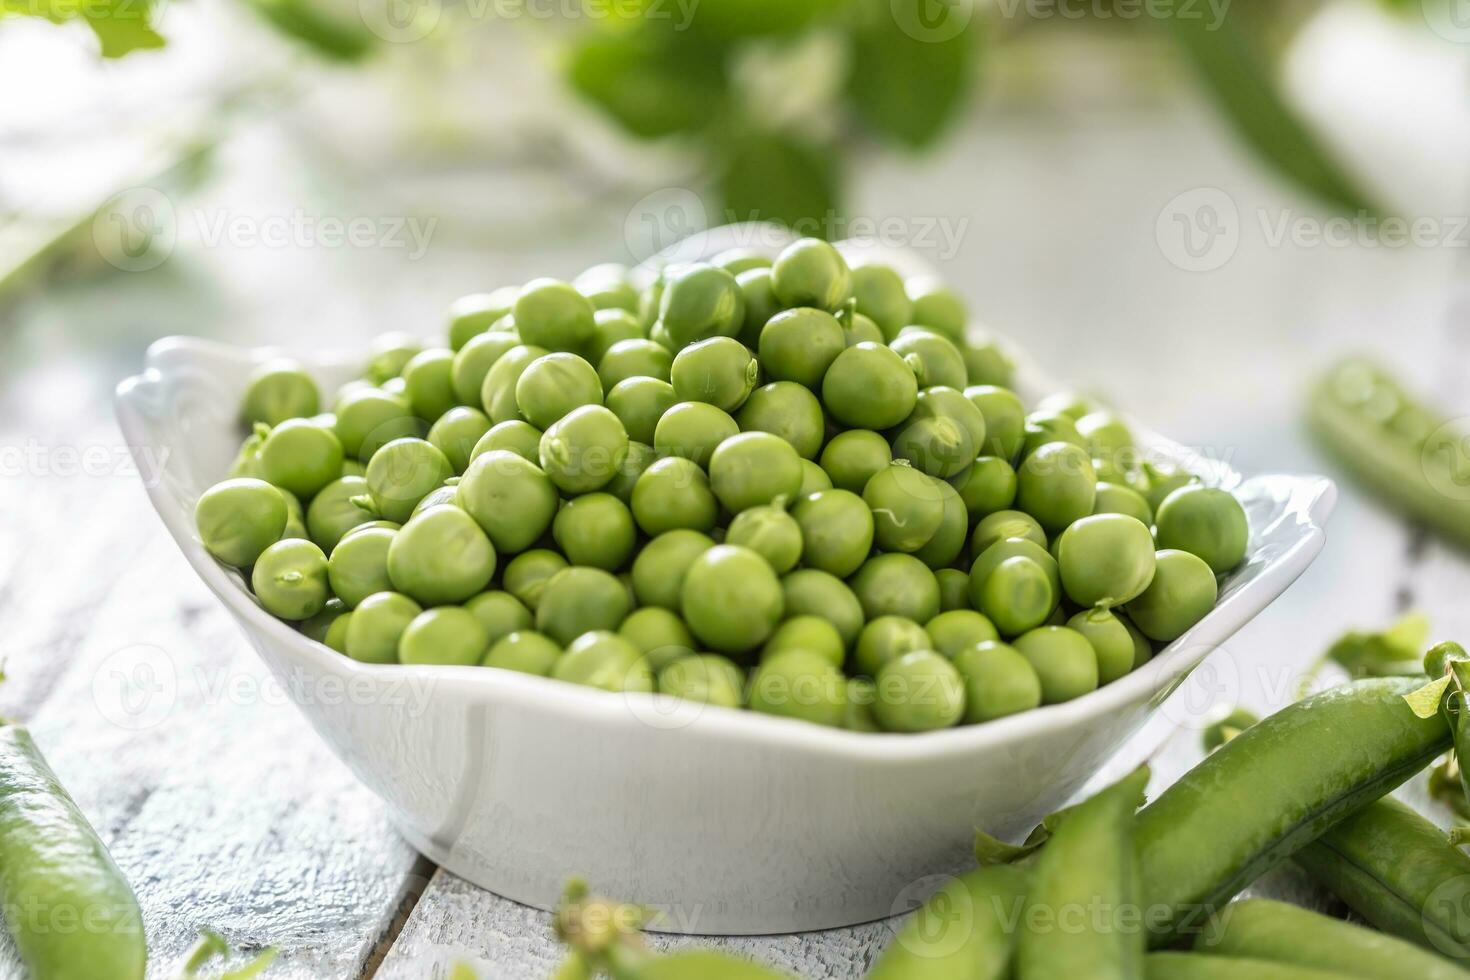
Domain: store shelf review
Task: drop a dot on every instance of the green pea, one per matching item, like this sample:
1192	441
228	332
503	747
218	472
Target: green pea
811	591
789	411
836	531
1110	640
813	478
608	287
659	634
954	589
1042	428
1206	522
447	635
770	532
376	626
290	579
500	614
317	627
457	433
999	681
584	450
858	329
738	260
358	567
554	315
510	498
959	629
553	385
897	585
810	633
1105	560
516	436
662	564
388	354
579	600
606	661
752	469
1005	419
943	549
614	325
595	529
731	599
934	360
799	345
868	386
986	362
336	636
640	457
1182	592
1064	660
886	638
1057	485
810	272
402	473
441	556
693	430
429	379
907	507
800	684
475	359
240	518
301	456
279	390
634	359
986	486
937	307
1003	525
524	651
880	296
673	493
719	371
760	304
706	678
853	457
1115	498
701	301
1017	595
471	316
498	390
920	691
526	575
942	435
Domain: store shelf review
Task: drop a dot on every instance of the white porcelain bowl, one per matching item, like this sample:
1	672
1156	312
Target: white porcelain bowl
735	823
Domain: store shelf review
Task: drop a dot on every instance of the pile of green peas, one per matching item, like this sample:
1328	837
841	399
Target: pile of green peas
792	486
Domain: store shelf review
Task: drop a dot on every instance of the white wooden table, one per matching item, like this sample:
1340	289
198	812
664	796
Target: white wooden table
225	810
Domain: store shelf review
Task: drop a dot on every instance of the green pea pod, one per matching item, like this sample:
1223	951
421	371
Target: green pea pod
71	913
1273	789
1265	930
965	931
1082	916
1398	871
1195	966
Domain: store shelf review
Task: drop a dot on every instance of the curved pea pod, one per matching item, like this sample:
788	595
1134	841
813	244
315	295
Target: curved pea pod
965	931
1398	871
1082	915
1196	966
71	913
1265	930
1273	789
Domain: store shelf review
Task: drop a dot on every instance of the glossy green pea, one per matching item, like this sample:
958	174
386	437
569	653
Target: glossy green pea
1111	641
404	472
640	457
799	345
358	567
608	287
859	717
731	599
336	636
879	292
907	507
595	529
886	638
1105	560
942	435
1282	782
246	464
964	931
662	564
760	304
957	630
428	376
584	450
512	499
554	315
770	532
317	627
810	272
295	518
674	493
1115	498
810	591
851	458
1074	405
388	354
553	385
498	390
897	585
526	575
604	660
290	579
937	307
836	531
1206	522
457	433
1003	525
376	625
1161	482
447	635
920	691
472	315
473	362
999	681
858	329
1005	419
515	435
788	410
1182	592
634	359
1106	433
719	371
699	302
738	260
753	469
238	519
441	556
1017	594
986	486
986	362
446	494
524	651
300	456
1057	485
707	678
810	633
868	386
935	361
652	297
500	614
578	600
1041	428
813	478
659	634
800	684
279	390
693	430
943	549
614	325
1064	660
954	589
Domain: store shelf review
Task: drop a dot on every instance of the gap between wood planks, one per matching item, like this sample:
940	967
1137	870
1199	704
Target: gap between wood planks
416	883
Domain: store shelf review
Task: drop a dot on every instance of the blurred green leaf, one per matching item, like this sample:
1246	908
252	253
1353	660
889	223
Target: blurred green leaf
775	177
653	82
912	61
1240	78
328	36
751	18
121	26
